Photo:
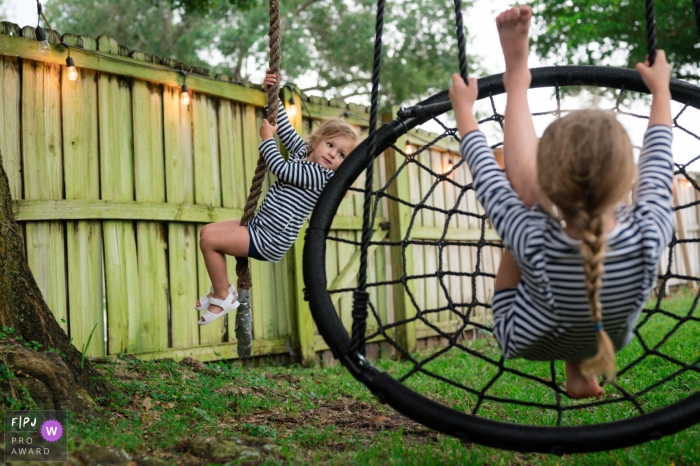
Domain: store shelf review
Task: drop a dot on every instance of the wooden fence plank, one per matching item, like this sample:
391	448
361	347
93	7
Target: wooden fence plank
450	259
249	122
431	284
399	221
10	133
84	238
42	168
182	239
151	319
438	162
207	190
117	184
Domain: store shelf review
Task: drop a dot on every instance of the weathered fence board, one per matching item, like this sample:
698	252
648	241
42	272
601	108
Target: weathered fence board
42	169
84	238
149	186
182	239
10	111
117	184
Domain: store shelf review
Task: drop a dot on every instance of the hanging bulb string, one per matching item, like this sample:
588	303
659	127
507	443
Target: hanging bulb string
40	10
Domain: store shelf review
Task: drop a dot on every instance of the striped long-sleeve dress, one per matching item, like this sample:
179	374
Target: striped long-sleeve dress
547	316
276	225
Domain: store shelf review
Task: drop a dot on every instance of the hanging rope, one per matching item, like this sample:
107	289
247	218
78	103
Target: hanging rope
651	32
244	284
360	295
461	42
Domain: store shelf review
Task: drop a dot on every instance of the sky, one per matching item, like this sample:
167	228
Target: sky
480	24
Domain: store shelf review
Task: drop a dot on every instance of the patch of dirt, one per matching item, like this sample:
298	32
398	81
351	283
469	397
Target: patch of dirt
347	414
292	379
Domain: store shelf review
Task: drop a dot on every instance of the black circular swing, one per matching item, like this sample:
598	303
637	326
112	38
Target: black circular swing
631	416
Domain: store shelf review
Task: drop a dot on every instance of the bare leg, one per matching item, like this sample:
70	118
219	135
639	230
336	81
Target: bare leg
519	138
578	386
216	241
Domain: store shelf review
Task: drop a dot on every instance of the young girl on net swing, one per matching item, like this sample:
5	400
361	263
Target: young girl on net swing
276	225
571	287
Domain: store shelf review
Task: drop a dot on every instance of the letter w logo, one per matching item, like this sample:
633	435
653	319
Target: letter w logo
52	430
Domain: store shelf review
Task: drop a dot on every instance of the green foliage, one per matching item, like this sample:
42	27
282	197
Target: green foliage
145	25
330	42
86	346
204	6
614	32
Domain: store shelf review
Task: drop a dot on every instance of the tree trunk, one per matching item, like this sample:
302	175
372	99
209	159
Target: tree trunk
53	381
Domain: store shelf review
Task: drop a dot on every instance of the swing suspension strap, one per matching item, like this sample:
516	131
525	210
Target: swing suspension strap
651	31
242	269
360	295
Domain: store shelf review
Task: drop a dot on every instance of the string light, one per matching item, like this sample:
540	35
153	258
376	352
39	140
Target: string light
185	96
44	47
72	72
292	108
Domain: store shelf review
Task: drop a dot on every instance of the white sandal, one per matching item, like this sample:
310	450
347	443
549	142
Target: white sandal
204	300
227	305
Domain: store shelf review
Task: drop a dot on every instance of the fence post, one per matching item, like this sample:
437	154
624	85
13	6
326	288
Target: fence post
399	219
304	328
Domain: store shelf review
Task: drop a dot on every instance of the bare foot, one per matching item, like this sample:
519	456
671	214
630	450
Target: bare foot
513	28
578	386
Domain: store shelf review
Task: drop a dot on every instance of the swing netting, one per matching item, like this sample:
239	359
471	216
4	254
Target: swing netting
464	387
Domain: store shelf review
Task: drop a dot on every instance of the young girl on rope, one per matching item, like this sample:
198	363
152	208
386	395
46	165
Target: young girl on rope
599	261
276	225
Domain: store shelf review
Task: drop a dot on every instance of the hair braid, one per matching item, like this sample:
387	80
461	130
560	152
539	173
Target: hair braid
593	252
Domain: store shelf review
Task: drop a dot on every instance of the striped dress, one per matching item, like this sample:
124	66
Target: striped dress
547	316
276	225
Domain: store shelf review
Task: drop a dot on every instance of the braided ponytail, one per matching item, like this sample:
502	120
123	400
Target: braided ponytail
593	251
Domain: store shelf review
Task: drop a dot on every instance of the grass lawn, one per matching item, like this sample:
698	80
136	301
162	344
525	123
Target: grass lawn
163	412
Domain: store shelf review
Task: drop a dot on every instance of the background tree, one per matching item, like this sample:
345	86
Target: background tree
614	32
39	367
328	42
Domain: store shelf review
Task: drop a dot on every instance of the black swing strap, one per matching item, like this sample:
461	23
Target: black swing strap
360	295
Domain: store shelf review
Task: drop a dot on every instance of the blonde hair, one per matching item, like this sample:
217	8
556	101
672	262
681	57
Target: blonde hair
585	167
333	128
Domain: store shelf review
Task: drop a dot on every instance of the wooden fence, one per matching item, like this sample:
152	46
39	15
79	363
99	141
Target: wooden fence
113	179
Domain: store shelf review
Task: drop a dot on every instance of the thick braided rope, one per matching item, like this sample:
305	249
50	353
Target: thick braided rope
461	42
242	270
360	296
651	32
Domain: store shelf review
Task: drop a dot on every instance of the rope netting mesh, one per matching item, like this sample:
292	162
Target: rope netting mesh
466	371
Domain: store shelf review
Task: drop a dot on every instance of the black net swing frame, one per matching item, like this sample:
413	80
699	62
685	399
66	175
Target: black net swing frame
643	426
470	427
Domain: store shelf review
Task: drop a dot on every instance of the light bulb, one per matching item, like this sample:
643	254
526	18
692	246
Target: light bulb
72	72
185	96
292	108
44	47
